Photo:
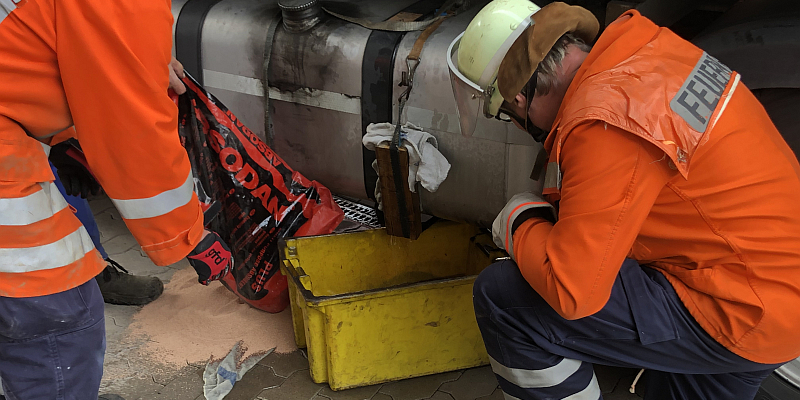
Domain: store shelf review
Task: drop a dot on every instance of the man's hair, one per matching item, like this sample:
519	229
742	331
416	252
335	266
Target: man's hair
547	68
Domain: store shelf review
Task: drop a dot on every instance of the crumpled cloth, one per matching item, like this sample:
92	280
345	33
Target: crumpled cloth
426	164
220	375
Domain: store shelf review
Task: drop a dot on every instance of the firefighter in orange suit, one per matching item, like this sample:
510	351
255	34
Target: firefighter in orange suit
101	67
668	234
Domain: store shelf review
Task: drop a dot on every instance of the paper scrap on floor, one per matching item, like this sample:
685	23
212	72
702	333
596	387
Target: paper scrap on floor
221	375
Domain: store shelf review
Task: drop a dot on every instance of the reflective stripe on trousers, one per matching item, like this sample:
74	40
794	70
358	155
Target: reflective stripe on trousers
537	354
563	374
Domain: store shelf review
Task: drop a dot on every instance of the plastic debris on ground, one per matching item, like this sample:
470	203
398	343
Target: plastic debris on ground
221	375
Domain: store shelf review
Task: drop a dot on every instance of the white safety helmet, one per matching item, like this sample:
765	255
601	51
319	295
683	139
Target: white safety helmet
502	36
474	58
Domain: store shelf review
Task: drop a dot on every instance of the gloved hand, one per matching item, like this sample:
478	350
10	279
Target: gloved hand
521	207
211	259
71	168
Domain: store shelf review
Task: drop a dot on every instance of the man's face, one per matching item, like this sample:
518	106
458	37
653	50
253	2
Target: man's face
516	112
518	108
522	118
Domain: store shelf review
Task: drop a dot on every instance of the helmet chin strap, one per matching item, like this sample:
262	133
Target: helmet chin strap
538	134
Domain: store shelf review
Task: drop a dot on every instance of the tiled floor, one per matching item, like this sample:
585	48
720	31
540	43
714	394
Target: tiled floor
285	377
278	376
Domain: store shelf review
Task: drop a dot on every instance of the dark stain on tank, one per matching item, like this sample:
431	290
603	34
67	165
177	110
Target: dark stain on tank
305	59
266	15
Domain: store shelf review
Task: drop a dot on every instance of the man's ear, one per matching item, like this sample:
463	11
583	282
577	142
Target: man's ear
520	101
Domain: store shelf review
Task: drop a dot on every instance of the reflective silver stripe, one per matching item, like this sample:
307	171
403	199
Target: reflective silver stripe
46	149
60	253
157	205
32	208
6	7
552	176
537	378
699	95
592	392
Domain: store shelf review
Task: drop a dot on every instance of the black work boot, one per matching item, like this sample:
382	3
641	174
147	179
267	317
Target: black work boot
118	286
110	397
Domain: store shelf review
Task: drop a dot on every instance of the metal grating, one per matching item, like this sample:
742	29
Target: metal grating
360	213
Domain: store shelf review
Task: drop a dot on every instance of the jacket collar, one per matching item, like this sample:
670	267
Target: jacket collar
624	37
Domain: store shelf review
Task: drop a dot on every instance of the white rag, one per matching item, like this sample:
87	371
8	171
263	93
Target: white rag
426	164
220	376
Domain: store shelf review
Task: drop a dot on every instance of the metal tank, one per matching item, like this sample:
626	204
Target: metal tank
328	79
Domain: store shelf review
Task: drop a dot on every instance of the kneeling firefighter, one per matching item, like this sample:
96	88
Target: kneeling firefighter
668	234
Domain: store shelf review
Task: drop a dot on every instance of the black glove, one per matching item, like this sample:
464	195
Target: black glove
74	175
211	259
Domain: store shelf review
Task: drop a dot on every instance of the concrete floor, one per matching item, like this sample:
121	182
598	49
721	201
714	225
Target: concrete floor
278	376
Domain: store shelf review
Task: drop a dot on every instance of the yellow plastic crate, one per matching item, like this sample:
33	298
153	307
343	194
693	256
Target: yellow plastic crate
373	308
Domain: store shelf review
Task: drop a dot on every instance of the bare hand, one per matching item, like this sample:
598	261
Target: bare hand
175	75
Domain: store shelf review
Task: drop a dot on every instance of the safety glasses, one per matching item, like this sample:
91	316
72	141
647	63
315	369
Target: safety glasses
507	115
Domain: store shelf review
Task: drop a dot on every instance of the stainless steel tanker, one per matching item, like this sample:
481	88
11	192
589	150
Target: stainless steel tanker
328	79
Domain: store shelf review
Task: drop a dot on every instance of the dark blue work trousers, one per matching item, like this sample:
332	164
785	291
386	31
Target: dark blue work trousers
537	354
51	347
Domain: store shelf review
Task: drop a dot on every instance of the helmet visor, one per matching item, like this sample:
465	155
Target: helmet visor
470	98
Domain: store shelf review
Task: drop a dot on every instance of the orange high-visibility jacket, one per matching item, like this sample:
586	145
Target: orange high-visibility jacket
660	153
102	67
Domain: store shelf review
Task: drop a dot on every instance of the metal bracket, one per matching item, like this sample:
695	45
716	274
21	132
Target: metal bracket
408	74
